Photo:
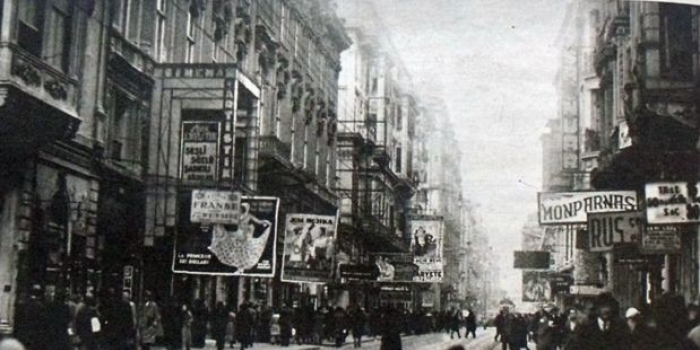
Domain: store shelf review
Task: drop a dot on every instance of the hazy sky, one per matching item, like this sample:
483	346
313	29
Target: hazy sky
494	62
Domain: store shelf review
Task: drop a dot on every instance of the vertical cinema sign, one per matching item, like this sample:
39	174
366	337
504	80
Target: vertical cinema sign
229	134
574	207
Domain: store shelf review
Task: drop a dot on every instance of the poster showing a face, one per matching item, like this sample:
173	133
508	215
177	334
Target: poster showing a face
536	286
426	246
309	248
243	249
392	267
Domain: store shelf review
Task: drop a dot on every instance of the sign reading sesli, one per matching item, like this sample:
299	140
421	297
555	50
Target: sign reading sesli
573	207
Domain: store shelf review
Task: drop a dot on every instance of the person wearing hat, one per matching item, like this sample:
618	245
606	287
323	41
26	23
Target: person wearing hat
641	336
605	330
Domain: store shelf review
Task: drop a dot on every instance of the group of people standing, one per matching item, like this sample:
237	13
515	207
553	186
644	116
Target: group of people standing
667	324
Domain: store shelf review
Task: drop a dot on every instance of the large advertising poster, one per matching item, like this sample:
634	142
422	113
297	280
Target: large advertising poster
309	242
536	286
395	267
246	248
574	207
426	246
200	152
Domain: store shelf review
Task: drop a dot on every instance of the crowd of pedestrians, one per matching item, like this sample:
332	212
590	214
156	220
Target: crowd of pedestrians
667	324
111	321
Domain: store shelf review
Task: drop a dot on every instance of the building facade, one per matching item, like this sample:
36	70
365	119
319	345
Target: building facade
635	67
377	116
96	98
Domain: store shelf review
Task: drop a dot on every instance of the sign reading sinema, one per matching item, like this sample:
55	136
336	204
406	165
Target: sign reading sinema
672	202
574	207
607	229
215	207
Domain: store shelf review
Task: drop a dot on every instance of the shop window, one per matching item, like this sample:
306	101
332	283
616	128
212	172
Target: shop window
675	33
31	20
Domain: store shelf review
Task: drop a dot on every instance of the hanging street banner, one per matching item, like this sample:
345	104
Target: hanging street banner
661	240
608	229
536	286
309	242
426	245
574	207
200	152
672	203
215	207
246	248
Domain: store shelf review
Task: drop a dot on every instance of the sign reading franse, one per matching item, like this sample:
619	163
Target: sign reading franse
574	207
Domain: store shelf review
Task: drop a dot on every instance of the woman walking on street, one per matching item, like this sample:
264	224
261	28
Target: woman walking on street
150	322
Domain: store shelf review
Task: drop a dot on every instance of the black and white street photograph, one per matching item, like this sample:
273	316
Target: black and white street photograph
350	174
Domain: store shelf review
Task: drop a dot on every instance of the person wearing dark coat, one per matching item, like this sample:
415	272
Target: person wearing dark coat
391	329
498	323
340	322
244	326
547	330
219	320
605	330
118	317
32	321
471	324
571	329
88	325
199	326
59	319
286	320
358	320
642	337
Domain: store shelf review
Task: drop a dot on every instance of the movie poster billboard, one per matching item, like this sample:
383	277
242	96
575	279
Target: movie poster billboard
200	152
426	246
246	248
395	267
309	242
536	286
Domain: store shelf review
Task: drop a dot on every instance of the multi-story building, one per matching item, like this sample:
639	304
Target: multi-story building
377	113
95	95
636	65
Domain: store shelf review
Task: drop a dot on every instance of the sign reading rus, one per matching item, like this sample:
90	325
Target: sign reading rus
574	207
608	229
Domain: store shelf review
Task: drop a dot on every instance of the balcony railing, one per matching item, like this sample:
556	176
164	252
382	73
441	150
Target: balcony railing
274	147
137	57
43	81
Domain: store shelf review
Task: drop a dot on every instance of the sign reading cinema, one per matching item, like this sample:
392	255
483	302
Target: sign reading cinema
573	207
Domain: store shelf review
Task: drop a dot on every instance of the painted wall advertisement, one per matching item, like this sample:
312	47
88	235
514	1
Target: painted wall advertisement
426	245
200	152
672	203
245	247
309	243
574	207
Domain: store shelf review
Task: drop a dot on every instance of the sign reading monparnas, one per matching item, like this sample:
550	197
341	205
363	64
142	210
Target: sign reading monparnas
573	207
